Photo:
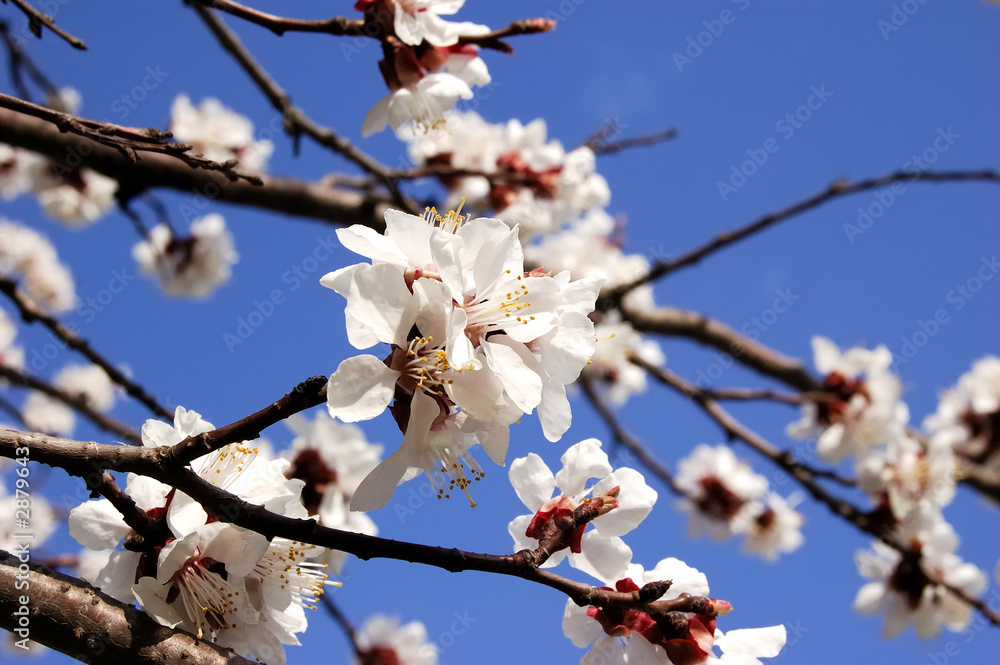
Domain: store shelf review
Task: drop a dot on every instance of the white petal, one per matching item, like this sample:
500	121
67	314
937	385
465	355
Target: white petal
510	361
554	412
369	243
377	487
601	557
532	481
635	501
577	626
869	598
360	389
757	642
148	593
97	525
581	462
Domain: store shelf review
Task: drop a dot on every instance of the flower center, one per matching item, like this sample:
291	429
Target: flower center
207	596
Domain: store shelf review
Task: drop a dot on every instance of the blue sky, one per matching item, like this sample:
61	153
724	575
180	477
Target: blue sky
887	95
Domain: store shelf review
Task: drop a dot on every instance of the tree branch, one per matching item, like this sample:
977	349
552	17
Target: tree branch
37	19
284	195
296	122
32	312
126	140
68	615
80	458
710	332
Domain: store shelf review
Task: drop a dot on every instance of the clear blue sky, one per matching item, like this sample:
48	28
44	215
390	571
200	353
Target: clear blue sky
888	96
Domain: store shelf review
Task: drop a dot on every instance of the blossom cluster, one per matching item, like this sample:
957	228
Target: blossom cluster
475	343
424	66
910	478
211	578
726	497
617	503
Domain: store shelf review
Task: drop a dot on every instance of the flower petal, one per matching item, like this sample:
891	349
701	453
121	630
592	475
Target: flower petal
360	389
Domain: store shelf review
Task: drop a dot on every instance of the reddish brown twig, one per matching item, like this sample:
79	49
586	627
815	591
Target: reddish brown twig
37	19
834	191
600	144
296	122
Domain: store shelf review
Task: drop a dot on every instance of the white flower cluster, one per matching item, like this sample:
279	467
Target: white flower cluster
27	254
476	342
425	68
616	505
11	354
623	493
725	497
218	133
533	182
213	579
193	266
619	637
910	479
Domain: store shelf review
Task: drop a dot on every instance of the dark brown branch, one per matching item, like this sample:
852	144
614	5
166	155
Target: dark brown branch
802	473
129	141
76	402
296	122
37	19
145	526
983	480
68	615
710	332
834	191
283	195
624	437
19	61
600	146
31	312
80	458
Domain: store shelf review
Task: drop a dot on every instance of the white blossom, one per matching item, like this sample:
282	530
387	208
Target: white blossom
722	492
89	382
968	415
864	405
193	266
45	414
600	551
383	641
218	133
904	588
26	253
492	342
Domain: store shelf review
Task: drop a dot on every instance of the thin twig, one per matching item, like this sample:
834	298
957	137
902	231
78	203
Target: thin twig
834	191
601	146
279	25
37	19
19	61
31	312
624	437
345	624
